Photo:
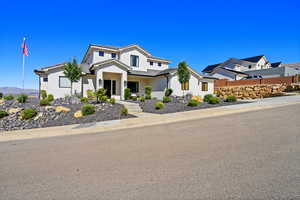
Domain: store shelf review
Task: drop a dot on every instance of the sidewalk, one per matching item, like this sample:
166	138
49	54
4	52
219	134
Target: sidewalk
147	119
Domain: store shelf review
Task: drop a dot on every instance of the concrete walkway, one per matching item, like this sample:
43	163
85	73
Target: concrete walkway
147	119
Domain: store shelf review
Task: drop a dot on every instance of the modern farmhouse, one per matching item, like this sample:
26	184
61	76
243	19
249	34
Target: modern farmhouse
117	68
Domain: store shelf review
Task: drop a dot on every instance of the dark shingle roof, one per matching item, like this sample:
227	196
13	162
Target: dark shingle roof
274	65
210	68
253	59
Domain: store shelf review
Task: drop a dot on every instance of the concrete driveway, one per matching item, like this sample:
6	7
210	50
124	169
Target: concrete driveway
251	155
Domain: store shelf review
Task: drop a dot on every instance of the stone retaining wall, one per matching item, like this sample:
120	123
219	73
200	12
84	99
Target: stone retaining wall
253	91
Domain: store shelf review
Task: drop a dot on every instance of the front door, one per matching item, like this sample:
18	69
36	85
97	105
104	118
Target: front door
107	86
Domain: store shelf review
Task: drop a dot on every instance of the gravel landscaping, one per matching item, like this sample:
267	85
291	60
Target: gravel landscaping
172	107
60	112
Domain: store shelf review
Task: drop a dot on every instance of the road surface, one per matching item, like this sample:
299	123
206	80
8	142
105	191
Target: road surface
253	155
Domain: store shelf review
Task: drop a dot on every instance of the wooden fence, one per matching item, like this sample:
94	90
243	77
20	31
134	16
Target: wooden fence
288	80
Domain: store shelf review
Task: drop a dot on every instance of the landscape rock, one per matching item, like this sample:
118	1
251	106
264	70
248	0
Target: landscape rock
14	110
59	109
78	114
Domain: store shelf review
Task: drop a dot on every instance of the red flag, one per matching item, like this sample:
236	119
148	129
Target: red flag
24	48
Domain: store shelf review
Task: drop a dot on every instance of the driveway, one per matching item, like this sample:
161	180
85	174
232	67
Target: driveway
250	155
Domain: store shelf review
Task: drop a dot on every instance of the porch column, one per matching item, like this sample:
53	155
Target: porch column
123	84
99	79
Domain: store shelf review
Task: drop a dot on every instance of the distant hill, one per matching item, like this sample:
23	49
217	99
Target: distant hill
15	90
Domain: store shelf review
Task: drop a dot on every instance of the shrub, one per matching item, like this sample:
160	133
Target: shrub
3	113
289	88
84	99
207	97
159	105
147	97
100	94
127	93
193	103
112	101
90	94
87	109
22	98
9	97
104	99
43	94
1	95
28	113
44	102
167	99
133	98
214	100
142	99
231	98
124	111
50	97
168	92
148	91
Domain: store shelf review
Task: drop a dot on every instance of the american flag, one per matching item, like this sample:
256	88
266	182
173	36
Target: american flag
24	48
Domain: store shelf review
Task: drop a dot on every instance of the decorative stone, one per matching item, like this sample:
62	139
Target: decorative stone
38	116
62	109
2	102
14	110
78	114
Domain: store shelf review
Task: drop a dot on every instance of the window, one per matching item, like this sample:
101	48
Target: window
249	66
151	63
133	86
101	53
45	79
204	86
113	55
114	87
134	61
185	86
159	64
64	82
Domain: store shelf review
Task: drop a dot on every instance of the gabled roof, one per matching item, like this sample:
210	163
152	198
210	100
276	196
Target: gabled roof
253	59
110	61
274	65
231	71
210	68
48	68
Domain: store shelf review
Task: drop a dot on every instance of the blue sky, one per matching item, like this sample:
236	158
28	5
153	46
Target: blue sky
199	32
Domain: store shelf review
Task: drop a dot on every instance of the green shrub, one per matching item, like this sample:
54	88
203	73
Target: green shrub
104	99
50	97
231	98
148	91
167	99
43	94
147	97
133	98
142	99
127	93
28	113
9	97
3	113
44	102
22	98
100	95
124	111
168	92
90	94
159	105
112	101
84	99
207	97
214	100
87	109
193	103
1	95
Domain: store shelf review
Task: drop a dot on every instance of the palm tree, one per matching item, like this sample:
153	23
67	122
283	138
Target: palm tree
183	73
73	72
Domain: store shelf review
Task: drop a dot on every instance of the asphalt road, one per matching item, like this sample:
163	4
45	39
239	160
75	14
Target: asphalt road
254	155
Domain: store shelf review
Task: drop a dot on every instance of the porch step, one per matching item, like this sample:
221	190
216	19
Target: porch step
132	107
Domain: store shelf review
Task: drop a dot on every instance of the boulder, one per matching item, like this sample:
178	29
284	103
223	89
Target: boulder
78	114
62	109
38	116
14	110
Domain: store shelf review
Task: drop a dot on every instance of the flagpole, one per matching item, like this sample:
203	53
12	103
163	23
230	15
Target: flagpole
23	73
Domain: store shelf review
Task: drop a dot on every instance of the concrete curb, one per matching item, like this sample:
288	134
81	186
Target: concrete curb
143	120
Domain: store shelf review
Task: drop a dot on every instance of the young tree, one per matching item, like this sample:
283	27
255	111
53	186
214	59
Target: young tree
73	72
183	73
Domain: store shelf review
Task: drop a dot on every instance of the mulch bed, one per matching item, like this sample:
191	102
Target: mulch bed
149	106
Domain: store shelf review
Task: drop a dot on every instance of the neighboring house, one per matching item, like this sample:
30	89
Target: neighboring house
295	66
236	69
117	68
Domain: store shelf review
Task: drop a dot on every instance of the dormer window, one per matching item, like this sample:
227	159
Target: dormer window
151	63
134	61
159	64
101	53
113	55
